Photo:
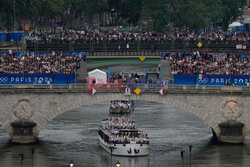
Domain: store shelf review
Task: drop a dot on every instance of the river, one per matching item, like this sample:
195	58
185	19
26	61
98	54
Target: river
73	135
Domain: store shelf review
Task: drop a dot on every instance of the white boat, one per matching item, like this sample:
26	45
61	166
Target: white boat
123	141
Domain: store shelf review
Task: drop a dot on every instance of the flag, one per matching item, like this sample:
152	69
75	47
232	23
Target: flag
201	76
137	91
162	91
92	91
199	44
116	131
142	58
144	75
109	73
112	129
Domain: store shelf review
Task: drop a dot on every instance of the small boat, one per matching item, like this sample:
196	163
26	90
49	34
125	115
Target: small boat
121	106
120	136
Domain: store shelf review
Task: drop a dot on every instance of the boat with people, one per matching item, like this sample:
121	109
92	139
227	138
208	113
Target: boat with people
120	136
121	106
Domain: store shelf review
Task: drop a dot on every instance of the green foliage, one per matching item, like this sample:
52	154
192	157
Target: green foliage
151	14
130	10
231	10
155	15
194	14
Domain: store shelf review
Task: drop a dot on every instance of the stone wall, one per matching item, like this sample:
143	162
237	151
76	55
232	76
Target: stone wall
43	108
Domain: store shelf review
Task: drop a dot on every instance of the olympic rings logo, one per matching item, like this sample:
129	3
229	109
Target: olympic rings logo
205	80
4	79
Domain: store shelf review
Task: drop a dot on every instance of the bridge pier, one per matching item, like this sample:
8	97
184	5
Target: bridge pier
230	132
23	132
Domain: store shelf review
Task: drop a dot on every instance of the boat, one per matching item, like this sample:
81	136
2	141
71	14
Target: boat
120	136
121	106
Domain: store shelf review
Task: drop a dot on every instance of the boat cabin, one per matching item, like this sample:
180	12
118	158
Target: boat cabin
129	132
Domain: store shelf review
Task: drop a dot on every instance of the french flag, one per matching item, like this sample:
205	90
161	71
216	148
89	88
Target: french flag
163	91
201	76
92	91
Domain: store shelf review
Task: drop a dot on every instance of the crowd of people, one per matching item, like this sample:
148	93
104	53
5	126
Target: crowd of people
60	35
209	63
120	123
115	124
50	62
118	104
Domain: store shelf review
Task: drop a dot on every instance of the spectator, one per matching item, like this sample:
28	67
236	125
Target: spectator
39	63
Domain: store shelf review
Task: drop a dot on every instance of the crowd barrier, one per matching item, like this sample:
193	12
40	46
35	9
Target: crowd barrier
201	79
147	45
37	78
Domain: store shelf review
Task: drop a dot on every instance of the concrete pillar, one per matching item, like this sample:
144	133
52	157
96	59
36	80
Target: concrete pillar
82	72
23	132
229	132
165	69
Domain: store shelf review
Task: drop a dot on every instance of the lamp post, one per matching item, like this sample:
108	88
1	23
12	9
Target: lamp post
71	164
111	150
118	164
14	15
190	154
182	156
22	157
23	58
112	16
32	153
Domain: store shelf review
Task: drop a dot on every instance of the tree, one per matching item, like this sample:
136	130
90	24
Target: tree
130	10
155	15
231	9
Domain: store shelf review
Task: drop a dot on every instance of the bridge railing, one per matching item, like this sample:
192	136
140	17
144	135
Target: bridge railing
114	86
135	46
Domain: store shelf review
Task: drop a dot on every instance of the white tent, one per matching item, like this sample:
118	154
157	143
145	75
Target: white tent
235	24
99	76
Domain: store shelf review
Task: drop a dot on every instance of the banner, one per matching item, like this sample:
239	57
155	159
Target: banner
237	80
240	80
14	36
203	79
184	79
37	78
3	36
212	79
64	78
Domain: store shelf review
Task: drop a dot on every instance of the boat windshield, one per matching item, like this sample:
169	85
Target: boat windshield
129	133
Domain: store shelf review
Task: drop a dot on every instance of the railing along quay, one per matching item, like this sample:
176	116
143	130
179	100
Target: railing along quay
119	88
93	46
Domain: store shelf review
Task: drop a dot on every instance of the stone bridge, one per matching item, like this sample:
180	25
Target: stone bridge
26	110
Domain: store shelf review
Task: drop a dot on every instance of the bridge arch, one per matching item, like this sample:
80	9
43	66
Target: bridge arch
180	102
43	108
